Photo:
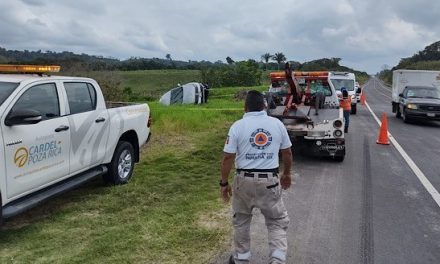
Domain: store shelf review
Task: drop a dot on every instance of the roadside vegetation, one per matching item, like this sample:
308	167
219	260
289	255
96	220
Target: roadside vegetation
426	59
168	213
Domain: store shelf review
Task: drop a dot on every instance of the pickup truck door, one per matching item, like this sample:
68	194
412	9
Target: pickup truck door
36	155
89	122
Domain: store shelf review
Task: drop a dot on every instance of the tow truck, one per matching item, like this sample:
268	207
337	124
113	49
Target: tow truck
315	126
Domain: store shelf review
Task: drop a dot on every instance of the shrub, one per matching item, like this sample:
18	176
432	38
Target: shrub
243	73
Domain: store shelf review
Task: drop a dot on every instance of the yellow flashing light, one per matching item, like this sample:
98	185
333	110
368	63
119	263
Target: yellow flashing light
29	68
311	74
281	75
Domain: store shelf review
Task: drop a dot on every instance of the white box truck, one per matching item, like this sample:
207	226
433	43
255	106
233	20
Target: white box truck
416	94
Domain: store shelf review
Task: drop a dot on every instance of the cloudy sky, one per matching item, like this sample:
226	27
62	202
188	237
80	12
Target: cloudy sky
365	34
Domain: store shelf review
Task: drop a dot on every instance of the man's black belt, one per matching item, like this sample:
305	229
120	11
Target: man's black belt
275	170
259	173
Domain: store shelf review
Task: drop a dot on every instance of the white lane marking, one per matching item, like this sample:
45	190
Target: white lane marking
386	95
383	86
420	175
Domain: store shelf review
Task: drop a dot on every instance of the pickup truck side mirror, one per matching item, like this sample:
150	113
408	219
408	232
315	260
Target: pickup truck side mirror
359	90
23	117
401	95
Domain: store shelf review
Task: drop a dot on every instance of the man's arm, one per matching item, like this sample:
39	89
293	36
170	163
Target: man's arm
226	165
286	178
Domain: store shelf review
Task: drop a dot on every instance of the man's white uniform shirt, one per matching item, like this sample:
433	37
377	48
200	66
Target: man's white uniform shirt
256	140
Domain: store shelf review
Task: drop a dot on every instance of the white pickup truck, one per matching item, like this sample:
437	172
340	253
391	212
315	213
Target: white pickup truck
58	132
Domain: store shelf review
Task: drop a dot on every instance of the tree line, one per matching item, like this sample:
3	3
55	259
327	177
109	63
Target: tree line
426	59
217	74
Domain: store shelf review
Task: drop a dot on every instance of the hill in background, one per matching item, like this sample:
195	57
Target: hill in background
427	59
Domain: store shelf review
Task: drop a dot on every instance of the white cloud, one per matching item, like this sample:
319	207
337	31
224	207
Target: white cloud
366	34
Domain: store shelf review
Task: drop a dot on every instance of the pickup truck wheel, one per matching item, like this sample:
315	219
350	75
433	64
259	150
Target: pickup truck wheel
405	117
121	167
398	113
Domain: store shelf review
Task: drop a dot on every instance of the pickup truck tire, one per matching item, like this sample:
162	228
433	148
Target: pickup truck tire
353	109
405	118
121	167
398	113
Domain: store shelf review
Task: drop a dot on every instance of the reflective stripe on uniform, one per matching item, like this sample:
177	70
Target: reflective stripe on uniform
244	256
279	255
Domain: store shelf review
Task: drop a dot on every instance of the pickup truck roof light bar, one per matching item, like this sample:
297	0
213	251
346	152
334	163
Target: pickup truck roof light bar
38	69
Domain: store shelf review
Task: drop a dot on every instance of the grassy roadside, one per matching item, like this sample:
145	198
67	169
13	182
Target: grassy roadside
168	213
153	83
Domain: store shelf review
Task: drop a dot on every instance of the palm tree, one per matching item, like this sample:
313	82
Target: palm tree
229	60
266	57
279	57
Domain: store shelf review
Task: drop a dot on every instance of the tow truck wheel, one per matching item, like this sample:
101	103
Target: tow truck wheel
339	158
121	167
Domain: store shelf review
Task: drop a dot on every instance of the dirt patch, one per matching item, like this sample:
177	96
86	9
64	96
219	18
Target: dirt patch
215	220
240	95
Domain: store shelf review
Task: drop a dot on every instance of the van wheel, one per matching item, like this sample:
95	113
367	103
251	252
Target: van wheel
353	109
121	167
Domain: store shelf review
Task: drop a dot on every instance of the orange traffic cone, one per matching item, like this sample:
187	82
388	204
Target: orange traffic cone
363	98
383	133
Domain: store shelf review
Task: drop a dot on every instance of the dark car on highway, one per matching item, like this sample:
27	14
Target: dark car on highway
419	102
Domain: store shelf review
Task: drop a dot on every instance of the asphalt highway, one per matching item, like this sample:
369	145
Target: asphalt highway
372	208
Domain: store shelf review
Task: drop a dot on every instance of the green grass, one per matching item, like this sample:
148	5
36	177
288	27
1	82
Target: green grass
168	213
153	83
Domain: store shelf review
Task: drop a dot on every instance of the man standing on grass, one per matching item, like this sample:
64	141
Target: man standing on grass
255	142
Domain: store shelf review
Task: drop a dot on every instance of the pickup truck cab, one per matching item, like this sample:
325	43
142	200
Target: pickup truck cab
419	102
58	132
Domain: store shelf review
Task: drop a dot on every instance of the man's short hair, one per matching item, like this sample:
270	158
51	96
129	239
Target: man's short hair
254	101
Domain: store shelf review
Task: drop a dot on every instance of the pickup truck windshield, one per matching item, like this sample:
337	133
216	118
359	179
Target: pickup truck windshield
6	88
339	83
423	93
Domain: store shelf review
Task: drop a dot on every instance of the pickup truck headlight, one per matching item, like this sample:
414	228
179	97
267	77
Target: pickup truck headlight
411	106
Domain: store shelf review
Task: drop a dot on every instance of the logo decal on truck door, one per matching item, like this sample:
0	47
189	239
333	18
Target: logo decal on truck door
21	157
37	153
